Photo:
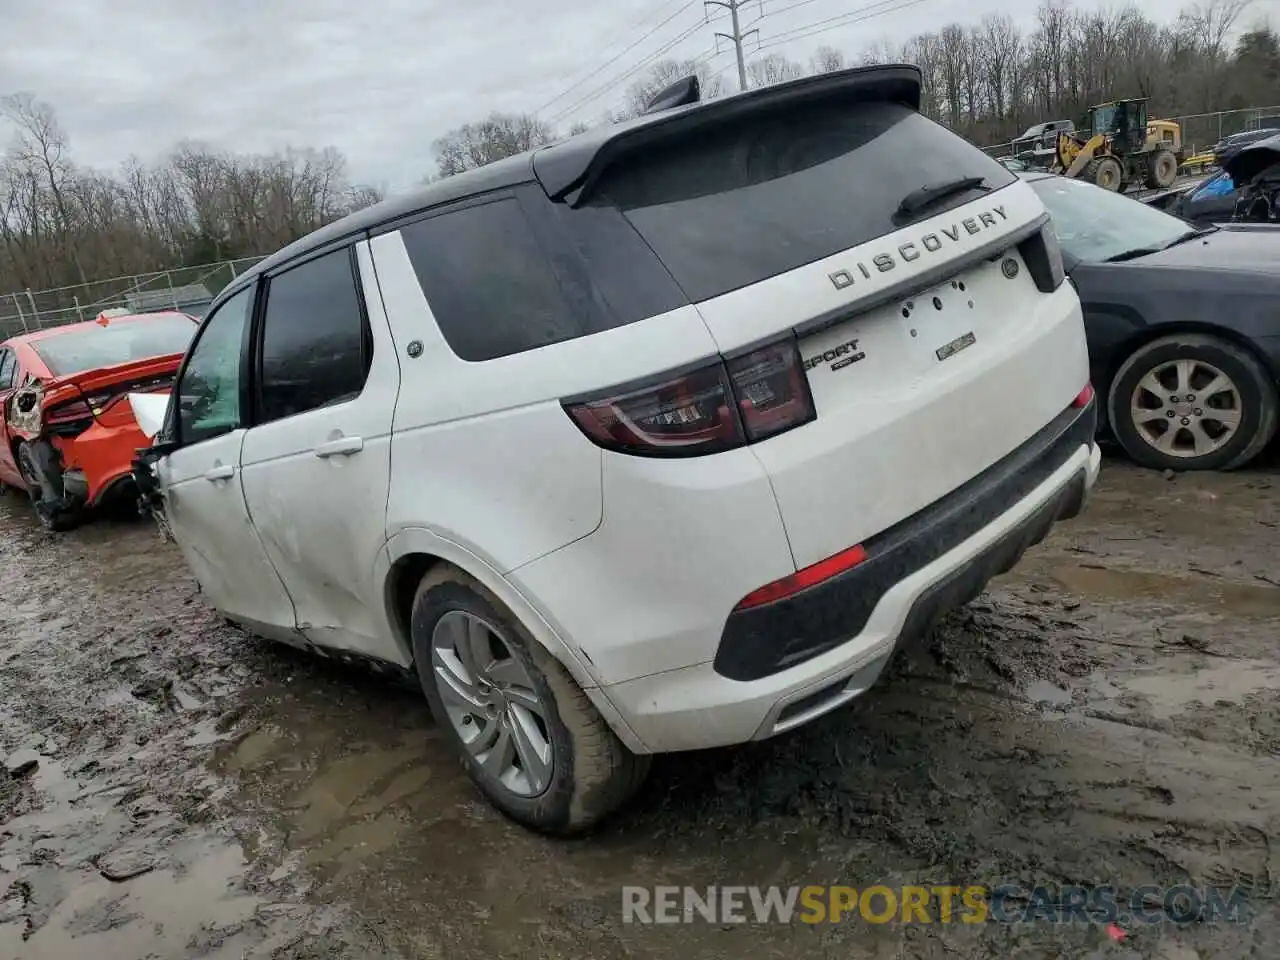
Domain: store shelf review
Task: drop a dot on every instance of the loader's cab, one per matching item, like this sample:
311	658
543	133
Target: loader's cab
1124	122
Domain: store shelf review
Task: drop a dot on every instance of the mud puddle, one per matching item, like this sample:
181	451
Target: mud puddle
201	794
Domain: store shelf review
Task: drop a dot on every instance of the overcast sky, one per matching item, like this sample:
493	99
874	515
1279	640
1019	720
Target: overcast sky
381	79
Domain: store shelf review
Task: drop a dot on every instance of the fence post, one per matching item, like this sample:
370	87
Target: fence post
35	314
232	265
173	294
21	317
79	311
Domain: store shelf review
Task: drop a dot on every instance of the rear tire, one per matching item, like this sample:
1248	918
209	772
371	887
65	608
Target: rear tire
38	463
1105	172
1162	169
585	772
1135	404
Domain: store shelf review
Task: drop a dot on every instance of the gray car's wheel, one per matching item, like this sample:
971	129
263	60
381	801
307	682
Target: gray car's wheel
1192	402
528	736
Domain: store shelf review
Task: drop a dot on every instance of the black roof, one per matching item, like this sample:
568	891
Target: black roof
566	168
493	176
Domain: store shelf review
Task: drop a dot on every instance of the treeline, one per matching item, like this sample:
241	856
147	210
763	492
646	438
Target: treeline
62	223
991	80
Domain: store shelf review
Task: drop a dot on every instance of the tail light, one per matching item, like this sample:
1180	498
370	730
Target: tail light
1084	397
714	407
69	411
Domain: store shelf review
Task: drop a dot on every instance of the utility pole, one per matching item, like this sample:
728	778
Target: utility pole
736	38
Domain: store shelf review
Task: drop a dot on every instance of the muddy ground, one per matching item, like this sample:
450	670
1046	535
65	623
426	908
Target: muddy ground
1109	714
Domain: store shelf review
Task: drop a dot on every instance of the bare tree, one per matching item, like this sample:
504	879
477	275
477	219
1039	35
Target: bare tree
826	60
498	135
774	68
1000	49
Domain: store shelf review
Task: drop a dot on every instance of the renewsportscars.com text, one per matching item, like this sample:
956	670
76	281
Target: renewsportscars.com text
1006	903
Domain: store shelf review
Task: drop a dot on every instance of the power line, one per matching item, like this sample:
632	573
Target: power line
834	23
611	84
622	53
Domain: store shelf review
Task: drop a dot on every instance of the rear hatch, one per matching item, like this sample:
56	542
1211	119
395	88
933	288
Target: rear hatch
935	334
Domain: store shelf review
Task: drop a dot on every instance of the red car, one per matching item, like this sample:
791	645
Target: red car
67	431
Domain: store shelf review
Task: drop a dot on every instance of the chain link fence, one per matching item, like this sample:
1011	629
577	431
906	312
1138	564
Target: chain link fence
189	289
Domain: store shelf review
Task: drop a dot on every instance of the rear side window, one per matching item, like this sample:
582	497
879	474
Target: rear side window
315	350
492	288
752	200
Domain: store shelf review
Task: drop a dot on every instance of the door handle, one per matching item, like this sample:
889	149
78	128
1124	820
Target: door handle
341	447
220	472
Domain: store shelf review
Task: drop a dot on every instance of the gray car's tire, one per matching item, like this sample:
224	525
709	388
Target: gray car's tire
591	772
1255	388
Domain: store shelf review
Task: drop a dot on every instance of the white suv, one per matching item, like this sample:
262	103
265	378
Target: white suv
659	438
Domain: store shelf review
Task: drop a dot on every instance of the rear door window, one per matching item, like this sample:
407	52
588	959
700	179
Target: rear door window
315	347
739	205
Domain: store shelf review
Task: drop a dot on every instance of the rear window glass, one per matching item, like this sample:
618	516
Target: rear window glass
119	341
750	201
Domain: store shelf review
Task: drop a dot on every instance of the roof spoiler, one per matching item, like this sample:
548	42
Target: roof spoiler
684	91
568	170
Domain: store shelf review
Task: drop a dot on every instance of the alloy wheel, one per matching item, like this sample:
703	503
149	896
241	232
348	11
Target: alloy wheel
1186	408
492	703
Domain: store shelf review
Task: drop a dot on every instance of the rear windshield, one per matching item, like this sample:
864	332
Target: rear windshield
750	201
120	341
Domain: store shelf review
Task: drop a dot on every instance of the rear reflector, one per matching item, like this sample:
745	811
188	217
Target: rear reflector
1083	397
802	579
723	404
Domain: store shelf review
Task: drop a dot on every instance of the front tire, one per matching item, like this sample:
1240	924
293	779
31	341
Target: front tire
1192	402
528	736
1162	169
1105	172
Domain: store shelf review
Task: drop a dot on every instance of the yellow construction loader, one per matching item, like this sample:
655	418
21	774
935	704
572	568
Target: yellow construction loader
1125	147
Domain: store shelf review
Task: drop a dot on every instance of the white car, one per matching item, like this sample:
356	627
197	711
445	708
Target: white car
659	438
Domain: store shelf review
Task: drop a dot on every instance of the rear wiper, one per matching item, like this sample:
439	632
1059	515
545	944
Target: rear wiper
917	200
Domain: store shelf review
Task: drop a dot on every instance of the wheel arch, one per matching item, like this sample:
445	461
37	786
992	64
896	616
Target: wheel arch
1149	334
414	552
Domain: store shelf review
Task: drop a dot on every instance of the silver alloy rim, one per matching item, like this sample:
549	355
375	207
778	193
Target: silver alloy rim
492	703
1186	408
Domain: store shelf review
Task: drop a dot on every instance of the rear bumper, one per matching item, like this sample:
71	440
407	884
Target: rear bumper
762	640
96	462
699	707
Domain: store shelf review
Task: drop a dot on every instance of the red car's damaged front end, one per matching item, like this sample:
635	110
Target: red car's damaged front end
69	431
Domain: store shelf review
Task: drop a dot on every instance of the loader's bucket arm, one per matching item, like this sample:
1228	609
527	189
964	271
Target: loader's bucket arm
1074	156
